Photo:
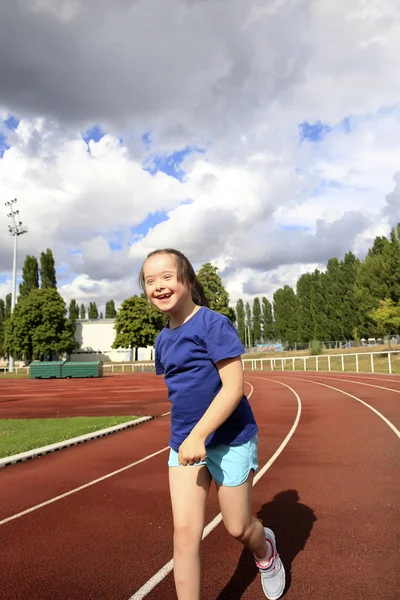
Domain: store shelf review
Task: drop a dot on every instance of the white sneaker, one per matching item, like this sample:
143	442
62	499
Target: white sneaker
272	576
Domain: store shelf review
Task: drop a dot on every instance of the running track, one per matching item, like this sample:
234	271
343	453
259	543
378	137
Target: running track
331	494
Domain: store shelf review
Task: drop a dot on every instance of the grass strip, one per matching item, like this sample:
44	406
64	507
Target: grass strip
20	435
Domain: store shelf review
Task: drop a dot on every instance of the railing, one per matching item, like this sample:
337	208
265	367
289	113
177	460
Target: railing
128	367
16	370
365	362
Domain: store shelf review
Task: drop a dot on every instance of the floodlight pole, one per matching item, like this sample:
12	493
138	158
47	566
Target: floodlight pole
16	229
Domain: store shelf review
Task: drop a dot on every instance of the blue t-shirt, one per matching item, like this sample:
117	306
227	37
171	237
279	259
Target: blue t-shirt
187	356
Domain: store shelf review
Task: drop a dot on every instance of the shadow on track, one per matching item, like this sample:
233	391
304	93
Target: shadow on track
292	523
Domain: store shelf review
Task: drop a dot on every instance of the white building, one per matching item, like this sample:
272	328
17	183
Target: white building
95	338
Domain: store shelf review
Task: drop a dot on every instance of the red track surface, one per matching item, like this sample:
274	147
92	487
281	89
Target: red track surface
332	495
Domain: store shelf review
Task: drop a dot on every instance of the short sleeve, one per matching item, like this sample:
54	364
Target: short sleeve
222	340
159	365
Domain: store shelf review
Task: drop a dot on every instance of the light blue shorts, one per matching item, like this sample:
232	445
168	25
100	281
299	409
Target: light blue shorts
228	465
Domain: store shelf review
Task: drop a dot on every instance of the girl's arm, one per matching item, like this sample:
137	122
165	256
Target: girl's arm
232	390
192	450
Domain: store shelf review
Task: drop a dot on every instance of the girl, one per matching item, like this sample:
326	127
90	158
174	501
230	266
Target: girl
213	430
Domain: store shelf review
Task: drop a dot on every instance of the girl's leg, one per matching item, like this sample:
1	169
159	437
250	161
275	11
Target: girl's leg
189	488
236	510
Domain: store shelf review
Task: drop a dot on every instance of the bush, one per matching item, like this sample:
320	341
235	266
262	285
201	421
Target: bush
316	348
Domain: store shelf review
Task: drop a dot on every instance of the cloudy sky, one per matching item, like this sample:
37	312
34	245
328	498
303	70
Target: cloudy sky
260	135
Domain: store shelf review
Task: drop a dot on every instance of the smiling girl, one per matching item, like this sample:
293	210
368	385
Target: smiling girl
213	430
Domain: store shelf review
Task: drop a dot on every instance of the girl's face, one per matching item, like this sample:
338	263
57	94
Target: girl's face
163	289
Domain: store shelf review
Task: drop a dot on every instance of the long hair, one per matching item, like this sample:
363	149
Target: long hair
185	274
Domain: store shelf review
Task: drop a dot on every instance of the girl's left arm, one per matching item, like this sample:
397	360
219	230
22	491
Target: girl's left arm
227	399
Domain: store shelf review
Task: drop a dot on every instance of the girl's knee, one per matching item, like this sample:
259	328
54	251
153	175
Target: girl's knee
237	530
186	536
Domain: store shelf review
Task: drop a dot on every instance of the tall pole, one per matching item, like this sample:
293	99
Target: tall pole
16	229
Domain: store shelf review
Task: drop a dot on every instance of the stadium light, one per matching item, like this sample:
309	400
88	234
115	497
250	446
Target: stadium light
16	229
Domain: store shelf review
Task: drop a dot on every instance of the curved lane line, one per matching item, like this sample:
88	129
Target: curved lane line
389	423
380	387
90	483
81	487
167	568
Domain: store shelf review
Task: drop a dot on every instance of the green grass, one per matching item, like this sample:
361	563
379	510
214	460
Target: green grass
20	435
14	375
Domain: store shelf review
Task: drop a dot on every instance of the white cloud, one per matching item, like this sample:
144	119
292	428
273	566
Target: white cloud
234	78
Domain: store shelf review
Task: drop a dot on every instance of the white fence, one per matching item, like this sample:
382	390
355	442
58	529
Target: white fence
366	362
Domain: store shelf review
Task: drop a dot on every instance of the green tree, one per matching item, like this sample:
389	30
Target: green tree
38	326
320	317
93	312
249	326
387	317
48	277
8	306
267	320
73	310
217	295
137	324
372	285
393	259
83	311
30	276
257	320
240	319
110	309
306	308
349	269
332	301
285	314
2	324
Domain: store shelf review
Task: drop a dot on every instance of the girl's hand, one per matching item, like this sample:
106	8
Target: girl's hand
191	451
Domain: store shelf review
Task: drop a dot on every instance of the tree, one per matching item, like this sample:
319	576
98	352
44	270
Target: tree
137	324
214	290
101	316
48	277
285	314
73	310
2	323
349	268
257	320
38	326
249	326
372	285
267	320
332	301
110	309
387	317
8	306
30	276
93	312
83	311
240	320
306	308
393	259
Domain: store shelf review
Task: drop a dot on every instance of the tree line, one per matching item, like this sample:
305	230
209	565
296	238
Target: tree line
350	299
40	325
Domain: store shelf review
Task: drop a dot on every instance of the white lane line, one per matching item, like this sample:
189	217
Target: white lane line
81	487
389	423
380	387
336	376
167	568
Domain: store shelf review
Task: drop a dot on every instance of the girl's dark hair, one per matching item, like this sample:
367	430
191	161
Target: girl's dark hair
185	274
